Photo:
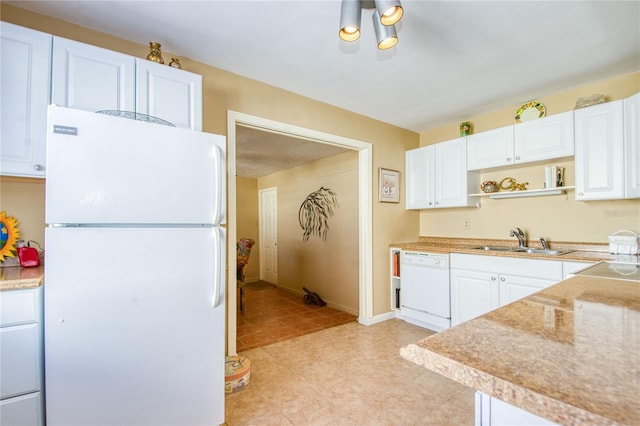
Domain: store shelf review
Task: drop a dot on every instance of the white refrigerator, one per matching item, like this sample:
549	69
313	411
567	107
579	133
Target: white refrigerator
134	272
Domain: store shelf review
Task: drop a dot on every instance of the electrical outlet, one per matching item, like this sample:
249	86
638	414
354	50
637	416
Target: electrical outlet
467	224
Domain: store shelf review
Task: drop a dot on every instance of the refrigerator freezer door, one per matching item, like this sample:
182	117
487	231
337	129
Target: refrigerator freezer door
112	170
131	334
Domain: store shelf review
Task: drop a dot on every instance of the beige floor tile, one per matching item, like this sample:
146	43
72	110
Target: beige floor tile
347	375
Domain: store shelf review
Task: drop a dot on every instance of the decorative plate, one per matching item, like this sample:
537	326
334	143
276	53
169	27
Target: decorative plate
530	111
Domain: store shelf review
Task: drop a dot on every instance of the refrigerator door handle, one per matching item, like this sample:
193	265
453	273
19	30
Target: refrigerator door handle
219	186
219	273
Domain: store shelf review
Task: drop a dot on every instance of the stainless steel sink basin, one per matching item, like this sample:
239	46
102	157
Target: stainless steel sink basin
494	248
540	251
523	250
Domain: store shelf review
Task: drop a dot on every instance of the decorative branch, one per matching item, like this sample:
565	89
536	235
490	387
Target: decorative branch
315	211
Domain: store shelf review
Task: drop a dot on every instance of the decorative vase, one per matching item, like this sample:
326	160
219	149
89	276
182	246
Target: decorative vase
155	55
175	63
465	128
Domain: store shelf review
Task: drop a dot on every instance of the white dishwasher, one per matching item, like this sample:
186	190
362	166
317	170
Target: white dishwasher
426	299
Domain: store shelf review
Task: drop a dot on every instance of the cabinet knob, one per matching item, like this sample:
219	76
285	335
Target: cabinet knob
517	158
38	167
580	194
508	159
493	278
430	203
502	279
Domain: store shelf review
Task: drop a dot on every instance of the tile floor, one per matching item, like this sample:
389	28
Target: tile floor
274	315
347	375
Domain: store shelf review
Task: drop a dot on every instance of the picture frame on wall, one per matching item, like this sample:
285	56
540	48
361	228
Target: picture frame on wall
389	186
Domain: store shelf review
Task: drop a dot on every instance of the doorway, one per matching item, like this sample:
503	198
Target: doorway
365	270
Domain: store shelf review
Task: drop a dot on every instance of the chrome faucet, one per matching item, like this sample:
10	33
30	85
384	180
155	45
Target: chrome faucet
545	246
522	240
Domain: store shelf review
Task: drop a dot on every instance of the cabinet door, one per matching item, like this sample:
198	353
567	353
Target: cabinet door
513	287
22	410
451	174
20	371
91	78
493	148
599	152
420	164
472	294
547	138
25	58
169	93
632	146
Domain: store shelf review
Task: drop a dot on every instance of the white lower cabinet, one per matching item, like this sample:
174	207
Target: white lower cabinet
491	411
21	370
569	268
480	284
473	293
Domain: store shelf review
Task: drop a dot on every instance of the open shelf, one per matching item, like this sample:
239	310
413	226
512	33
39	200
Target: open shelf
528	193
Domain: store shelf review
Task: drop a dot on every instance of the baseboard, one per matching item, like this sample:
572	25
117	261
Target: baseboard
377	318
329	303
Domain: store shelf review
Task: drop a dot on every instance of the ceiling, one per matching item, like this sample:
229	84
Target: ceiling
454	59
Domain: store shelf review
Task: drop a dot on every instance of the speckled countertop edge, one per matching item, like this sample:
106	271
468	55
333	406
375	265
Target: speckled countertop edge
471	354
17	278
581	252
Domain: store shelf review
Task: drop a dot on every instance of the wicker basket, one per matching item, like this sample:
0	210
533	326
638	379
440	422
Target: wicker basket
623	244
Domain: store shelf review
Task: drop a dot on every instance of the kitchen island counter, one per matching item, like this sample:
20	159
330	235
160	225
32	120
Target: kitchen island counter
18	278
569	353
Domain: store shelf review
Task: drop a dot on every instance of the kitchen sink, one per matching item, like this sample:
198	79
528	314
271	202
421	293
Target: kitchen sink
494	248
540	251
523	250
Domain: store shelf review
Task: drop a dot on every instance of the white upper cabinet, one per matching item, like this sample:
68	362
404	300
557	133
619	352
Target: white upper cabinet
600	152
544	139
537	140
437	176
493	148
632	146
91	78
170	94
420	166
451	184
25	58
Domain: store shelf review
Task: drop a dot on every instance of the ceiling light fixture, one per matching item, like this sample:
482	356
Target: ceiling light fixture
386	14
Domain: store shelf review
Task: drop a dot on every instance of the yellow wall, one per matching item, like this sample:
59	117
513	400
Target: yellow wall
247	222
558	218
330	268
23	199
223	91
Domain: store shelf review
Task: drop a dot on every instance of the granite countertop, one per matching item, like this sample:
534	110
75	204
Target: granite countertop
580	252
18	278
569	353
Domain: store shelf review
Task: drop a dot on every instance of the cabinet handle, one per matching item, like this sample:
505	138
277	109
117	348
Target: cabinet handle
38	167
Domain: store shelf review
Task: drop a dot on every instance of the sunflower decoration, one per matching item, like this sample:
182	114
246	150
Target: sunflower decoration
9	235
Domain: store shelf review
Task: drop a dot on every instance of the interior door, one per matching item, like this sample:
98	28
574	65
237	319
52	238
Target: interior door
269	235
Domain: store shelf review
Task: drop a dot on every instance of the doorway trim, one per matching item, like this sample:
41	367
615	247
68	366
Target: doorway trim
365	237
